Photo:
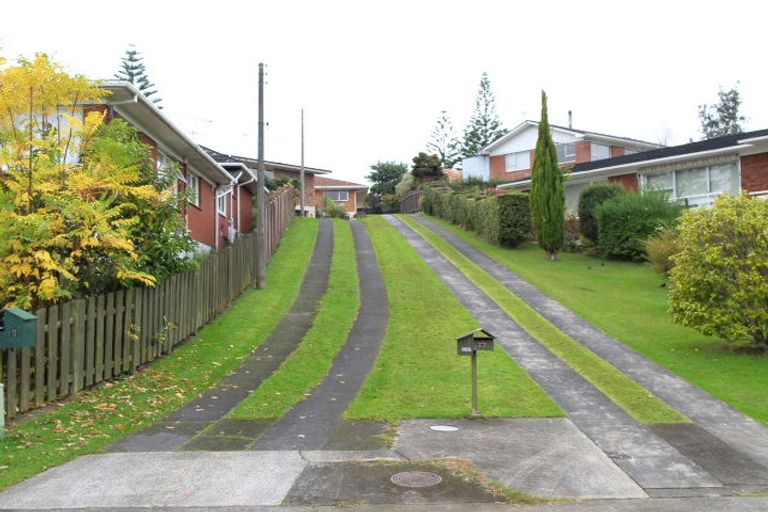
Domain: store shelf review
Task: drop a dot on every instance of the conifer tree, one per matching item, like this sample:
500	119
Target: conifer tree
444	143
484	126
133	70
547	190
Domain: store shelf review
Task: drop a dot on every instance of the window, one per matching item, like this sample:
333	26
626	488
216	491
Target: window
566	152
518	161
337	195
193	189
600	151
697	186
221	204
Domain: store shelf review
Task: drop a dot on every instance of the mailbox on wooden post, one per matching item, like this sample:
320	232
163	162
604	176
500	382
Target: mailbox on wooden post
468	345
18	328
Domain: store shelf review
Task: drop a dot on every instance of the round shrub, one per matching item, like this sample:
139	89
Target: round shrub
589	199
626	221
720	277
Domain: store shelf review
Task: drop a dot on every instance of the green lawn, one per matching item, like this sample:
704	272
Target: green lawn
308	365
96	418
418	374
629	301
632	397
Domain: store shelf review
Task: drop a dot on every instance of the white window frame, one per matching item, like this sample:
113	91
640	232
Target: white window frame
221	204
193	184
592	151
698	199
566	155
340	192
521	161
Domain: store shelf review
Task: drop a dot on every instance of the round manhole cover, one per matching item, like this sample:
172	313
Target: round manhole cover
416	479
444	428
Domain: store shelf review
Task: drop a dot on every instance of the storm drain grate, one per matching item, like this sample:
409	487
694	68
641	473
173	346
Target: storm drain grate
416	479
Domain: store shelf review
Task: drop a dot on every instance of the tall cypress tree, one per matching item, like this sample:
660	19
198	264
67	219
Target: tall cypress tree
484	126
547	190
132	70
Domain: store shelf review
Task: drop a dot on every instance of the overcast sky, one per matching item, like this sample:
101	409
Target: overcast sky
373	76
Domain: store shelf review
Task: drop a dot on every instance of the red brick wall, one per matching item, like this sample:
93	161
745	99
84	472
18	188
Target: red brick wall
617	151
754	172
518	175
629	181
350	206
499	168
200	219
583	151
309	184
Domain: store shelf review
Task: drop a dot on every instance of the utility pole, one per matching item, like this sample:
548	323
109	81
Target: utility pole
302	163
261	277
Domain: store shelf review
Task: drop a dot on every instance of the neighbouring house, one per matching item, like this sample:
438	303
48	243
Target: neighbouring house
694	173
278	170
220	200
452	175
510	158
344	193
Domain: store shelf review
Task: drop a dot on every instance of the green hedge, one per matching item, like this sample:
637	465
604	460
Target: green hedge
589	199
504	220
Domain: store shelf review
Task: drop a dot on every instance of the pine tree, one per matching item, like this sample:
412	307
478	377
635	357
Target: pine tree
722	118
133	71
484	126
444	143
547	190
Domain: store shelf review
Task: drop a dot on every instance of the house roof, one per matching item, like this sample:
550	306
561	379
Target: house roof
453	174
135	108
323	183
254	162
580	133
715	145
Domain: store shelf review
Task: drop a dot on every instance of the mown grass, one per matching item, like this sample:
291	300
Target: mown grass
628	394
418	374
312	360
96	418
629	301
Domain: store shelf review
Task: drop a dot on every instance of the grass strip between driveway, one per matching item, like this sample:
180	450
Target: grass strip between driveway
639	402
310	362
629	301
418	374
96	418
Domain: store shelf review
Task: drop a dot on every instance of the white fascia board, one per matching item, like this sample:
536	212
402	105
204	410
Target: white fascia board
751	140
139	98
622	140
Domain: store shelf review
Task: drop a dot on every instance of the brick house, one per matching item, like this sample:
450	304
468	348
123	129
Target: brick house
694	173
218	197
510	158
277	170
344	193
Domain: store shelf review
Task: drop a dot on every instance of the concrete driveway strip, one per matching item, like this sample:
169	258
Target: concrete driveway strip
648	459
181	479
173	431
745	434
309	425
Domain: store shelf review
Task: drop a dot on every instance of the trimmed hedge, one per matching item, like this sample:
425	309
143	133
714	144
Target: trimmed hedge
589	199
503	220
626	221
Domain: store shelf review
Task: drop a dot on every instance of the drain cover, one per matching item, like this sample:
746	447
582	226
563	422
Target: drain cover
444	428
618	456
416	479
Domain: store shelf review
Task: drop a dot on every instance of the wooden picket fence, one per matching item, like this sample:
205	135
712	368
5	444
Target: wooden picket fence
412	201
84	342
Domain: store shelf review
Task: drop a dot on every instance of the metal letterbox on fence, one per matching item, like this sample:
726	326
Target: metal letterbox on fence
18	328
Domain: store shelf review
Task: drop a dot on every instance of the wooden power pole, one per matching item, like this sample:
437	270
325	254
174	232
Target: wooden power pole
302	163
261	221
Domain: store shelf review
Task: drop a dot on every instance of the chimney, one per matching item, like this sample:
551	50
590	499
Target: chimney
570	119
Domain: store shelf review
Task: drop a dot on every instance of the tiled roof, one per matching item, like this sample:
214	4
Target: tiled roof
322	181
